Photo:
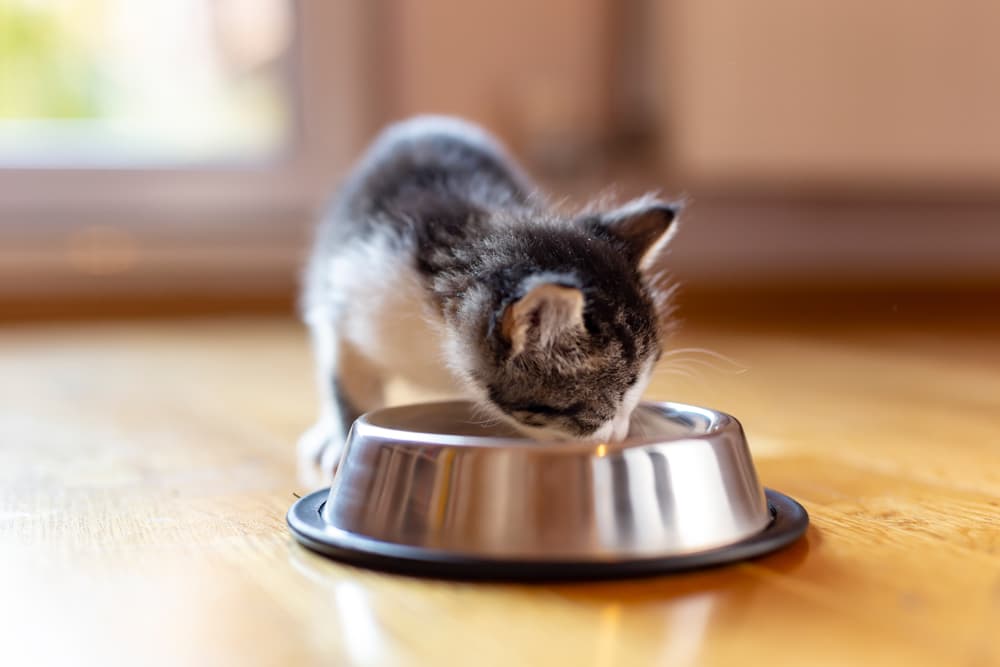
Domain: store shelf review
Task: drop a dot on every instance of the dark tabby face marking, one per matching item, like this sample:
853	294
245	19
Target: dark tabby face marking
574	338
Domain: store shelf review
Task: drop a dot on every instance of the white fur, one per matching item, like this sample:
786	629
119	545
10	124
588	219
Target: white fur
391	322
617	427
390	330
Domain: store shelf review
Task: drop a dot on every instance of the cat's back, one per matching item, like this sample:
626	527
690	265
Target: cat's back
419	165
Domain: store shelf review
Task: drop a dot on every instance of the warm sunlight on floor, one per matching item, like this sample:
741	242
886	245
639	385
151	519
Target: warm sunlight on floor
147	467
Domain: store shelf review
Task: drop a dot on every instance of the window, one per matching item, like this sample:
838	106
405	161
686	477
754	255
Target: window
126	83
172	147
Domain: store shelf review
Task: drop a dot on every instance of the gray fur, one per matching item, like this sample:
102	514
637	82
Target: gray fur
437	233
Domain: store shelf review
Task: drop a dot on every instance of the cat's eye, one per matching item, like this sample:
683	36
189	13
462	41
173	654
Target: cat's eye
529	418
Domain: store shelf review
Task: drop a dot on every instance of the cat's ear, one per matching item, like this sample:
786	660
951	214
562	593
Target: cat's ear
644	226
540	317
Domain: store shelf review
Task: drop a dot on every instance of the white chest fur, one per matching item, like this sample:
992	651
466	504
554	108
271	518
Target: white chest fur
389	318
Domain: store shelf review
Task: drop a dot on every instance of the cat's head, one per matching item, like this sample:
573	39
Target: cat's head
577	322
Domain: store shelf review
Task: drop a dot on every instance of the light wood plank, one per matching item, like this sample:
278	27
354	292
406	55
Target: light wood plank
145	469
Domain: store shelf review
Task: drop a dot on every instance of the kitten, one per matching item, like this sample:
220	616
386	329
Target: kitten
440	263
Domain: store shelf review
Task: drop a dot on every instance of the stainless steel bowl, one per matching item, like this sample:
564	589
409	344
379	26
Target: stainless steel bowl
430	488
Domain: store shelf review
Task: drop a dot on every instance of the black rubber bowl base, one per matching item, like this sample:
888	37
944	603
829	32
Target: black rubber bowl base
789	522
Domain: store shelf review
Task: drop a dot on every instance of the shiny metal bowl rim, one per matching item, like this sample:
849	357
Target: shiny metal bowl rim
718	422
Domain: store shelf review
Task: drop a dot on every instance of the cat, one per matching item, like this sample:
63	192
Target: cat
439	261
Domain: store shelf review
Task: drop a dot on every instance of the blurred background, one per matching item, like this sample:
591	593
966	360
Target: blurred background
170	157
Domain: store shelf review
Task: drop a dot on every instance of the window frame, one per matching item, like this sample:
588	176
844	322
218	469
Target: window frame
222	228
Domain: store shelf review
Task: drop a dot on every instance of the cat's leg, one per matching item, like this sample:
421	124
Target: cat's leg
348	387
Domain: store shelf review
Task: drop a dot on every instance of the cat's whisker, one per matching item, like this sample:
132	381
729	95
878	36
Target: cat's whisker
698	380
687	362
667	287
482	418
696	375
638	429
682	364
674	371
692	351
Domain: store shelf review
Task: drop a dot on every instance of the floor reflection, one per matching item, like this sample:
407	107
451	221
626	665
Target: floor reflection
598	623
360	626
360	632
687	623
607	635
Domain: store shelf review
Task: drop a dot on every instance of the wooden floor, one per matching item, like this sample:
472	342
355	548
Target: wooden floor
145	471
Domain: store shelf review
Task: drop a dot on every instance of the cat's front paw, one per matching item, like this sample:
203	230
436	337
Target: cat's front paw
318	453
